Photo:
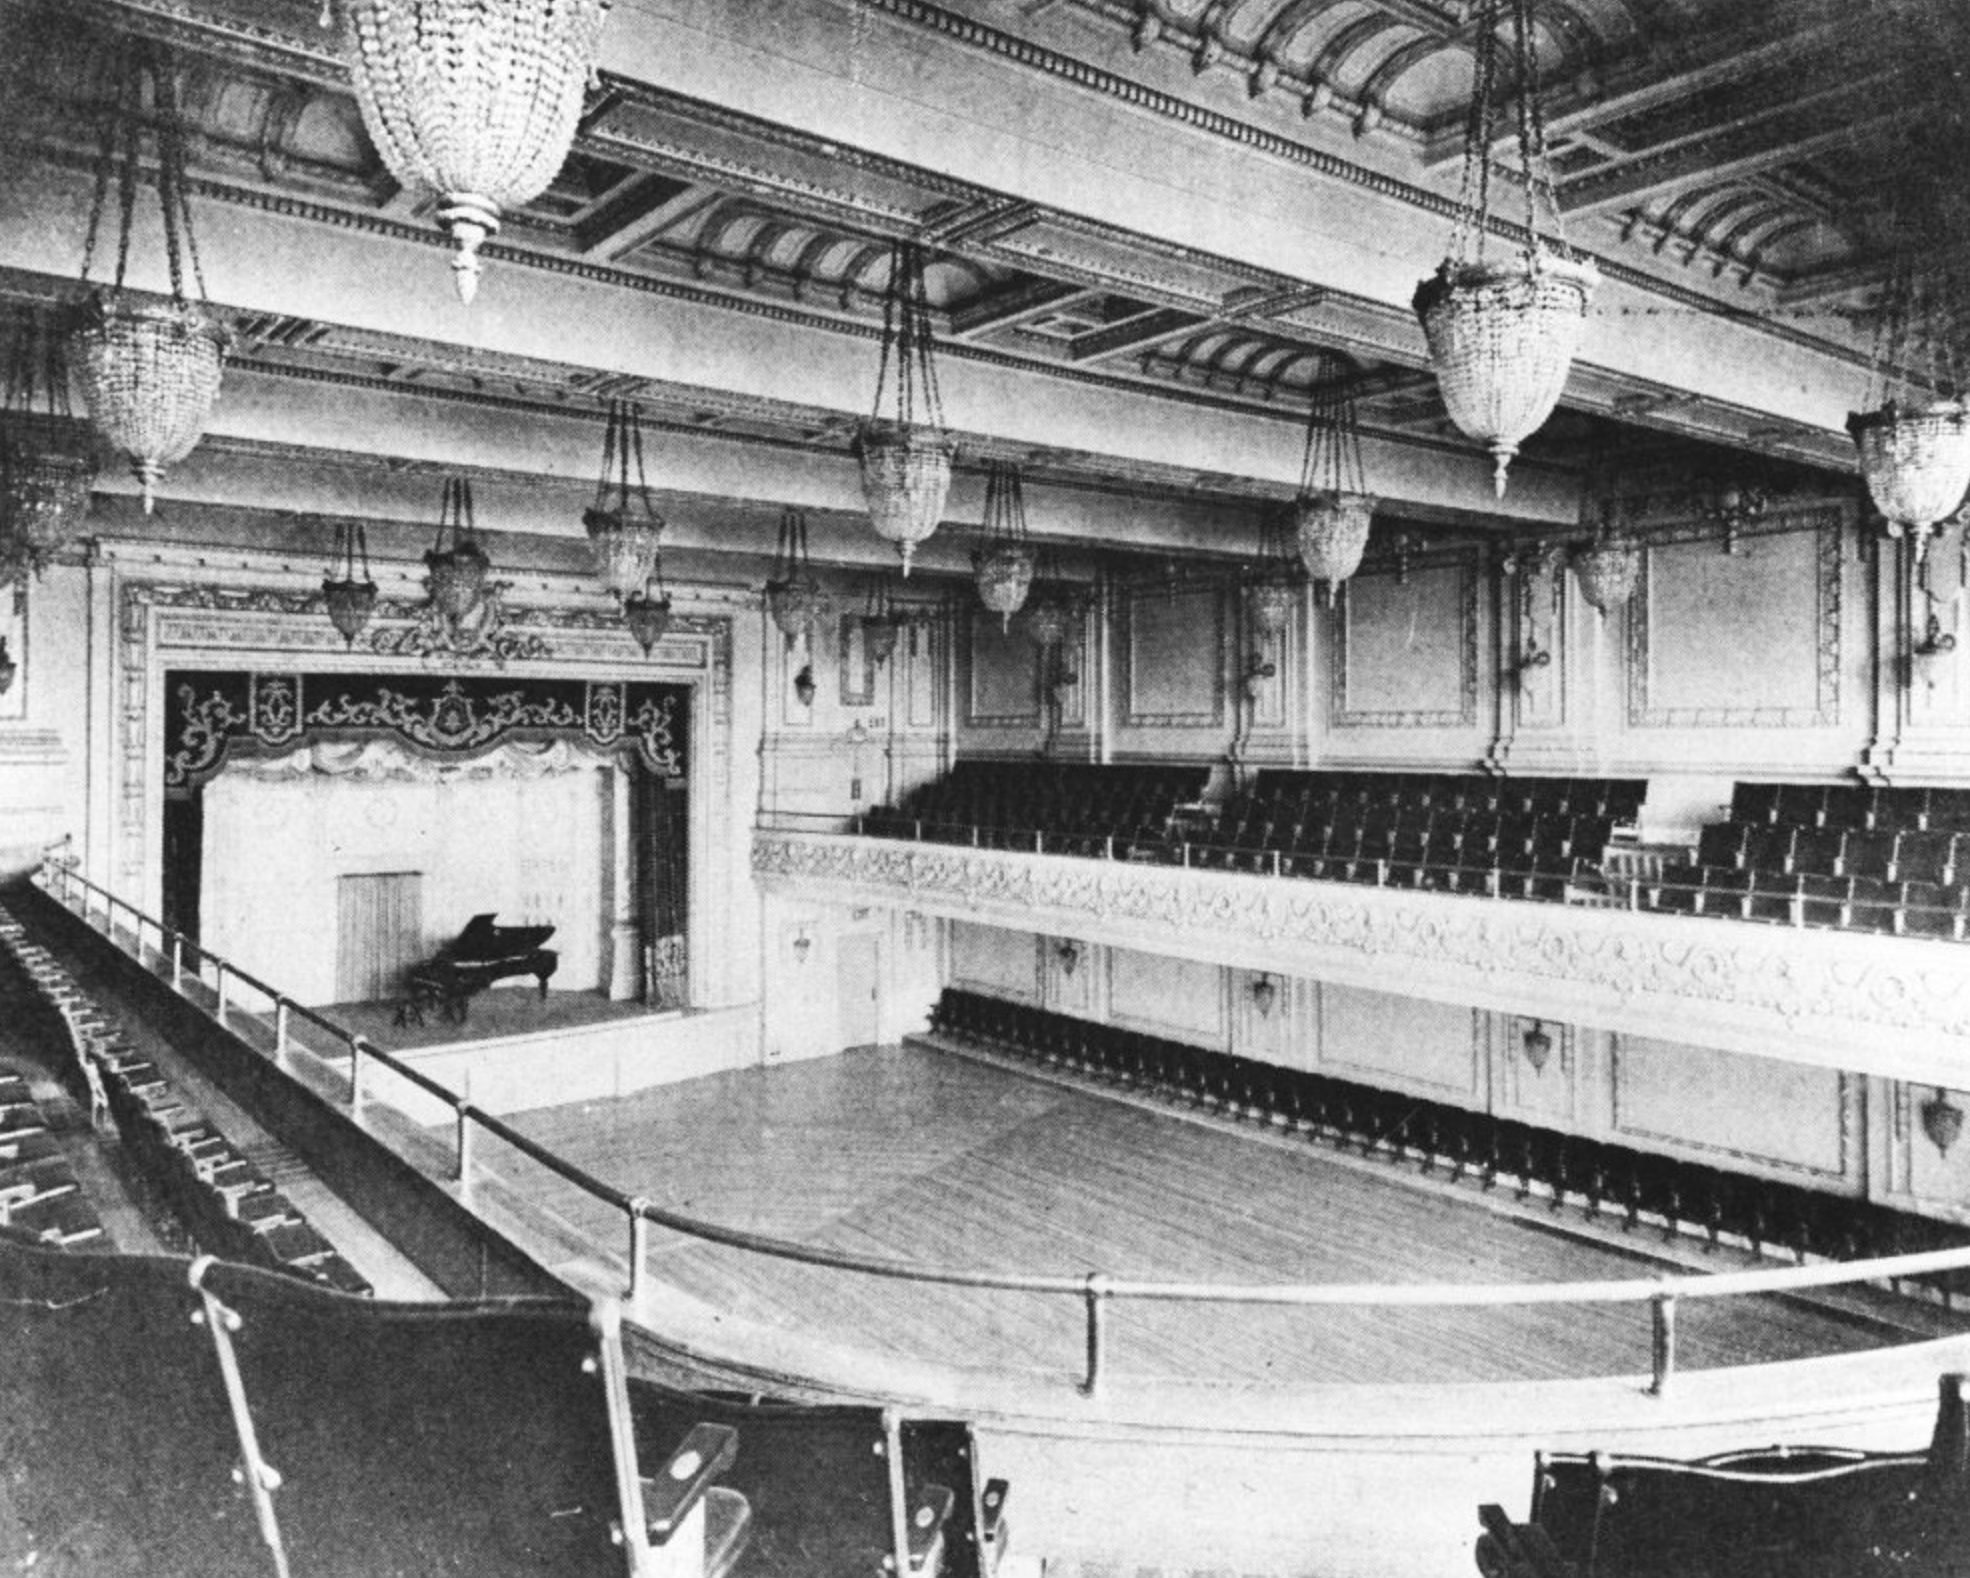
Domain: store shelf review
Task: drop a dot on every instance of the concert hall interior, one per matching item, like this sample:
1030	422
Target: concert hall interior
1322	922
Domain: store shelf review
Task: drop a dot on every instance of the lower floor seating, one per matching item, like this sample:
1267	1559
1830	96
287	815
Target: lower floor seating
1804	1511
1637	1188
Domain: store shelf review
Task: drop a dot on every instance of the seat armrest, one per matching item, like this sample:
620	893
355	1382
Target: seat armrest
930	1510
700	1458
994	1533
1517	1550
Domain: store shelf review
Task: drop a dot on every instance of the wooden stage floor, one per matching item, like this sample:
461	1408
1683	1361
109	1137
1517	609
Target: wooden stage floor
931	1156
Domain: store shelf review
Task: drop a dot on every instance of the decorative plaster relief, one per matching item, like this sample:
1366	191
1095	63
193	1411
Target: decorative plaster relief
1873	1003
1734	621
1405	648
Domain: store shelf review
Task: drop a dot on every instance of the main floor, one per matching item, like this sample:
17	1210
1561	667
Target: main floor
921	1154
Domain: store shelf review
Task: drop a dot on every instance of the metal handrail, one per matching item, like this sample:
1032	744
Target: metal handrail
1661	1293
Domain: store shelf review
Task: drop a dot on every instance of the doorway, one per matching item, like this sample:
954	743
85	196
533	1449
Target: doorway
379	933
858	978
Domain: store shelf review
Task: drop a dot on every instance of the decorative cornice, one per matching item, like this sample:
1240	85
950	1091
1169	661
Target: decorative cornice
1892	1005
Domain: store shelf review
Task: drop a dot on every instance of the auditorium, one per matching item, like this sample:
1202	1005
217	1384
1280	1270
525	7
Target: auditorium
1027	787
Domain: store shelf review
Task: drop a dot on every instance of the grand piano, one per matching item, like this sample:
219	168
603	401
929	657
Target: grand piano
472	961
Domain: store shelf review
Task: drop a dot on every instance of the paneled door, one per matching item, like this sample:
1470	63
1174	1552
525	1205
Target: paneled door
858	966
379	933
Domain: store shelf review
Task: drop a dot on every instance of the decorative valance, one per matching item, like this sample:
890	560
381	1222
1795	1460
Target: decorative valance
209	714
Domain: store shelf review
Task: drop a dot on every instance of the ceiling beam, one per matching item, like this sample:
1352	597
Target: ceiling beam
1016	304
1135	334
652	205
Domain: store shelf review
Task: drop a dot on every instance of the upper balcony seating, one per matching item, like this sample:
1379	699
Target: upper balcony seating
1890	861
1518	838
1066	809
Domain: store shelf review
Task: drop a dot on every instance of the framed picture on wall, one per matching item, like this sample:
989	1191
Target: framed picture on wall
858	664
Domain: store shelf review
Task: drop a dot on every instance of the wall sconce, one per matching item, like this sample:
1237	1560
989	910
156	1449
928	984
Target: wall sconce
1538	1046
1942	1120
1257	671
803	685
1068	952
1264	994
8	668
801	943
1535	657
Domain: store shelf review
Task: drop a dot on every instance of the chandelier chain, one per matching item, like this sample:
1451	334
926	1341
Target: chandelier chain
119	151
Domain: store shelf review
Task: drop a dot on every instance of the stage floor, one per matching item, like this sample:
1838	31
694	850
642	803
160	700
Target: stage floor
919	1154
493	1014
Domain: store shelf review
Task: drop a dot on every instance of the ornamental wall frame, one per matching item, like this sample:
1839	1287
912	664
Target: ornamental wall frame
264	626
1465	714
1828	569
1212	645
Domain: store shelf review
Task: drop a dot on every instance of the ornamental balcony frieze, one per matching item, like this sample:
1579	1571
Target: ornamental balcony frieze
1894	1006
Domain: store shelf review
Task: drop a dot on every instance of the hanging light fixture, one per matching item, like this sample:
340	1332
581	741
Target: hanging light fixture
9	669
906	457
1502	331
149	370
1914	442
1334	509
647	613
458	566
881	625
1273	585
475	102
1047	624
793	596
349	600
624	529
46	464
1003	568
1611	562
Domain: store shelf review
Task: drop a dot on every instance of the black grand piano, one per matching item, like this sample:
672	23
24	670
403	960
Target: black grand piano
472	961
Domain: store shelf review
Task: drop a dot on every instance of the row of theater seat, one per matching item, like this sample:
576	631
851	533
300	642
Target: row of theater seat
40	1194
1890	861
1062	809
1635	1186
227	1205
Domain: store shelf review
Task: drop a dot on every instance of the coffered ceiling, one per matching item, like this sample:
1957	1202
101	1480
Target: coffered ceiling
1157	227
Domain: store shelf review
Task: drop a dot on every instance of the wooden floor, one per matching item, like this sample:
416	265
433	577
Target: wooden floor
501	1011
920	1154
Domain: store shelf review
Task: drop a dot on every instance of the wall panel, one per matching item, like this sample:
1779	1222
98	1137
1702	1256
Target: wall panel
995	961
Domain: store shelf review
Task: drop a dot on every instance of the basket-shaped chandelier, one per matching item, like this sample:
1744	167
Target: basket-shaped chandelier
1503	329
149	369
904	450
456	566
793	596
1273	586
1334	509
1049	621
472	101
1608	569
47	466
348	592
647	612
625	532
1003	568
1914	441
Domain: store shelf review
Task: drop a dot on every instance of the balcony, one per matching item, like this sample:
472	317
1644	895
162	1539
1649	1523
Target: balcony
1897	1006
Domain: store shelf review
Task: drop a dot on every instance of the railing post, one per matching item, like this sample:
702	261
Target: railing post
355	1073
639	1246
462	1168
1095	1292
177	961
1663	1343
281	1006
219	989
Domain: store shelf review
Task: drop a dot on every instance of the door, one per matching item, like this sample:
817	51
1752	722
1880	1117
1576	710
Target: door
858	964
379	933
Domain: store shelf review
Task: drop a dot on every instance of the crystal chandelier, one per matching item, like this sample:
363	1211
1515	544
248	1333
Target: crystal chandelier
1003	568
46	465
1334	509
350	600
906	457
1915	440
1502	331
1608	565
150	370
647	612
881	624
793	597
1273	587
473	101
624	528
457	565
1048	623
